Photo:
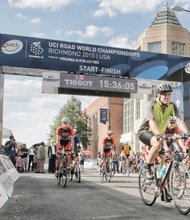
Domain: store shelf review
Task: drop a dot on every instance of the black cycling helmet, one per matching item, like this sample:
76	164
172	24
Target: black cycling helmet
172	120
164	88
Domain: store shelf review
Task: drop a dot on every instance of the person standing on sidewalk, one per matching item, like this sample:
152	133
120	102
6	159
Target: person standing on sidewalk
52	157
31	158
24	156
41	158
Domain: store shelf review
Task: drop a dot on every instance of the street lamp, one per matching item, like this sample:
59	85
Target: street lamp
178	8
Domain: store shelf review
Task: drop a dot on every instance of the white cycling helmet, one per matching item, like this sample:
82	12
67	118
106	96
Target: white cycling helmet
110	132
65	120
172	120
164	88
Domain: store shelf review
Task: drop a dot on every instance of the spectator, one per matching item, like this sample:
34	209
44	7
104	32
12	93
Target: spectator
10	149
35	157
52	157
24	156
40	158
18	159
31	158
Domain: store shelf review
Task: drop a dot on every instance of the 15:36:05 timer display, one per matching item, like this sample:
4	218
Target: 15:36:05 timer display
118	84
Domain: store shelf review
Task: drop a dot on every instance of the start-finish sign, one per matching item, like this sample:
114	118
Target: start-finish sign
34	56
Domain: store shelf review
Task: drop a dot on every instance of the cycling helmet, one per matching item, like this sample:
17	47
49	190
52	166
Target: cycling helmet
110	132
65	120
164	88
172	120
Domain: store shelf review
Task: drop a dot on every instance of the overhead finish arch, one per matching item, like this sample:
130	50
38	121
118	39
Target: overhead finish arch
28	56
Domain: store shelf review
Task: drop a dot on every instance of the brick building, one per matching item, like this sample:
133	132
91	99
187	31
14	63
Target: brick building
114	122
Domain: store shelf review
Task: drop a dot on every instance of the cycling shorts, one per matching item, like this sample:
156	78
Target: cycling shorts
66	144
107	154
145	137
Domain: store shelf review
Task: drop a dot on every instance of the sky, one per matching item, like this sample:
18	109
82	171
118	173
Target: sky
118	23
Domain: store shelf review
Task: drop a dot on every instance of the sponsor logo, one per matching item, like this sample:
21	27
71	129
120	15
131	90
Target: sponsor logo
12	47
36	48
187	68
51	80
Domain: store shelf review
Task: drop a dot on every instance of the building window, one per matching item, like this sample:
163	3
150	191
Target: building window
178	48
154	47
138	105
128	116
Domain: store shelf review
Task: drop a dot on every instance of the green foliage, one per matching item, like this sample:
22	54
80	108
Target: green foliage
78	120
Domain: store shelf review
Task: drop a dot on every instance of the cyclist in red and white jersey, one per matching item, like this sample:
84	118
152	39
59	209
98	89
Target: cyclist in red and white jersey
65	141
108	143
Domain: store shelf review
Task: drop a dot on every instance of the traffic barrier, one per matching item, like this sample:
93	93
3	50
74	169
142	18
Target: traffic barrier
3	196
8	175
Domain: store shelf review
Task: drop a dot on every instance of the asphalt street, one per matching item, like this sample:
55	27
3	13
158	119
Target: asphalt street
38	197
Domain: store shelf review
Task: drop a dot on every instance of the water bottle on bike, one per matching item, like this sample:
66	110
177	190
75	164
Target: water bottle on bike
163	170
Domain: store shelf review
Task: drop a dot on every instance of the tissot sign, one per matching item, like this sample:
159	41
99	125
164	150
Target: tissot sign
32	56
88	85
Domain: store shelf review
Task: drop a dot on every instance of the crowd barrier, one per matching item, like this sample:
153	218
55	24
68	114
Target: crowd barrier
8	175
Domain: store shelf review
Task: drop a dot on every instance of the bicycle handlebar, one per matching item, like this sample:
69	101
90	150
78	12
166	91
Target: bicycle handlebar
161	137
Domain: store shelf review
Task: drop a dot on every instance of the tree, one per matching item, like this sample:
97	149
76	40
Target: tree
78	120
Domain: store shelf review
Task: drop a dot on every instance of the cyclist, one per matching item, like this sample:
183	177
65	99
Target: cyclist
108	143
172	131
76	142
124	157
126	149
65	142
156	120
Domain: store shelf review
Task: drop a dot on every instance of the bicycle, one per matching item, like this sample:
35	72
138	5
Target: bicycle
76	172
176	181
106	170
125	166
65	171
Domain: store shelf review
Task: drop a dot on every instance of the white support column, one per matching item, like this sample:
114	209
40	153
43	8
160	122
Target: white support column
1	106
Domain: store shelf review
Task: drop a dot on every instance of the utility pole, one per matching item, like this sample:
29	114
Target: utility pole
1	107
109	113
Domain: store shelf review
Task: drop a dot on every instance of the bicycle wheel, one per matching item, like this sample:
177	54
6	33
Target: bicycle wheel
59	178
123	166
64	178
70	174
78	173
180	188
102	174
147	188
108	173
128	169
113	172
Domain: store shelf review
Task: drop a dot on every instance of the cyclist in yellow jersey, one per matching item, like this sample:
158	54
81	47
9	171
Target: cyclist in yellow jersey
156	121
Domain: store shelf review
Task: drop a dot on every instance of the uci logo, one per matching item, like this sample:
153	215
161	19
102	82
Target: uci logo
12	46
